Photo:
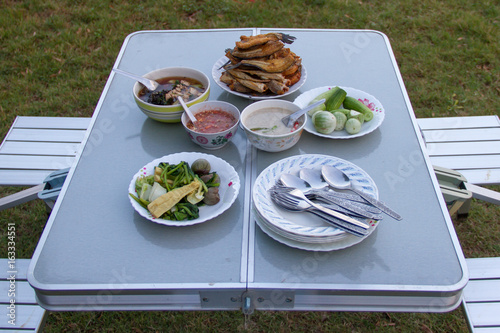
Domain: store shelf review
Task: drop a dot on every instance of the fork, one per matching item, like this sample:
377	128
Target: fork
298	198
282	200
334	203
300	195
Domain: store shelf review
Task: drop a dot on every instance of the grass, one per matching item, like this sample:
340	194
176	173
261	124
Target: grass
56	57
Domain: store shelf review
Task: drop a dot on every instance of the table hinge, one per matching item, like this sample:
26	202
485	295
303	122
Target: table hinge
267	300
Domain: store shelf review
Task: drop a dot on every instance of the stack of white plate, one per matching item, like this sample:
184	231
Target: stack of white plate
304	230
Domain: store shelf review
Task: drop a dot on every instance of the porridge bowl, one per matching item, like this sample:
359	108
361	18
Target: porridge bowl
264	128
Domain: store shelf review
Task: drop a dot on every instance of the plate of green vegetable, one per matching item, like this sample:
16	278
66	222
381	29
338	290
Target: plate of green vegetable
347	112
184	189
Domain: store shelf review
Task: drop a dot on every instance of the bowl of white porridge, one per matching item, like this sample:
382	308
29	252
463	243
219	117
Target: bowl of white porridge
263	126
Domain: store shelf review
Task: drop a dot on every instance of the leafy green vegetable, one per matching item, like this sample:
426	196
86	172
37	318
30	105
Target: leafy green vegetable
182	211
139	201
143	180
172	176
264	129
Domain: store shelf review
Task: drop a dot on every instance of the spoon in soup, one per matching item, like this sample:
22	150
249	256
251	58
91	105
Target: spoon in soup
188	112
292	118
148	83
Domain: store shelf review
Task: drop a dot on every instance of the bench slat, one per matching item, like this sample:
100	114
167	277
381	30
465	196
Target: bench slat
480	177
46	135
23	177
462	135
21	266
81	123
463	148
35	162
25	294
480	268
487	330
484	314
458	122
482	291
471	162
27	317
40	148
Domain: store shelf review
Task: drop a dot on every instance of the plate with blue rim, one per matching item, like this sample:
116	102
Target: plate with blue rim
304	230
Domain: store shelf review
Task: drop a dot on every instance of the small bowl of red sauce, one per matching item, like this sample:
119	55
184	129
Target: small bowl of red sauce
217	123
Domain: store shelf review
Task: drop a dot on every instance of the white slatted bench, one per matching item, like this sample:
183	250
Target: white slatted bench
35	147
481	296
469	145
29	316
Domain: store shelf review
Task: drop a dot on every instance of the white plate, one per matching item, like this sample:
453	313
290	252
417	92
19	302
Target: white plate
324	247
228	190
217	72
294	237
369	100
306	224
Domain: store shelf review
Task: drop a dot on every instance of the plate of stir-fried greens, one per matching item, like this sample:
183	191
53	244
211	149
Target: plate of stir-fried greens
184	189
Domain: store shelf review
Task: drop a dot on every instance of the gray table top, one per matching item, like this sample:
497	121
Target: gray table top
95	244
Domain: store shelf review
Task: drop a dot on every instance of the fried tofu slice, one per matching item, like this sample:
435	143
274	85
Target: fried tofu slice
165	202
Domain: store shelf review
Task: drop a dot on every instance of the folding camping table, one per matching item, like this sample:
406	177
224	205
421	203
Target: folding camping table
97	253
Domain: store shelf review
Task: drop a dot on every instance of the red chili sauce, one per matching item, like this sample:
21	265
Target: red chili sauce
212	121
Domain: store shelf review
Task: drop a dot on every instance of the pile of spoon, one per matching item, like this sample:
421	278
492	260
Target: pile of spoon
346	211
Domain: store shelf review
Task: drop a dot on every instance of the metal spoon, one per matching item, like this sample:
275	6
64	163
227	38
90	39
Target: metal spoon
334	202
291	181
346	205
188	112
315	179
338	179
290	119
148	83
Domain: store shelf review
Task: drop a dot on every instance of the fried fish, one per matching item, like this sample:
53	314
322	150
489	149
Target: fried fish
250	41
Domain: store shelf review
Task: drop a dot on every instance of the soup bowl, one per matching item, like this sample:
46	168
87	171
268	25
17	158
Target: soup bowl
218	139
170	113
264	128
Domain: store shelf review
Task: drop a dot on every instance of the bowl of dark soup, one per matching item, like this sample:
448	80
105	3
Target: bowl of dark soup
163	104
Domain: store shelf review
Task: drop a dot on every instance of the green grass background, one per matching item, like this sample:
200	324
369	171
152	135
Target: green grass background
55	57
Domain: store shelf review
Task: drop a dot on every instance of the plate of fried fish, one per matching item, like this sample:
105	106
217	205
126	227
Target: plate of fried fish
260	67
